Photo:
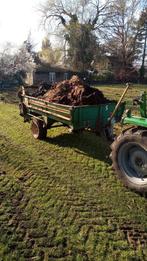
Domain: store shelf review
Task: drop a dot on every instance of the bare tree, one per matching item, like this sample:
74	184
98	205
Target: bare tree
62	12
122	33
143	42
78	21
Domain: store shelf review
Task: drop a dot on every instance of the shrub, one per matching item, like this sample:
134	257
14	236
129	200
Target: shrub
104	77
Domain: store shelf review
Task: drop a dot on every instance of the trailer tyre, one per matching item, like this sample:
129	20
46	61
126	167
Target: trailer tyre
39	129
129	158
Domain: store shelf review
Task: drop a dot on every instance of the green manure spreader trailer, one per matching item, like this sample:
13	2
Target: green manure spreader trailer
129	149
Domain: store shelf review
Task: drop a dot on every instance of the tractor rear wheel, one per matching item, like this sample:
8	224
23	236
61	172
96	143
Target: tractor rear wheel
38	129
129	158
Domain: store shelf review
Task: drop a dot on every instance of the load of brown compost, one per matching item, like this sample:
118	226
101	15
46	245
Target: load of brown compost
74	92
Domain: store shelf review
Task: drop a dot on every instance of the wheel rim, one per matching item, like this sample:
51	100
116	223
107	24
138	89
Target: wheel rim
132	160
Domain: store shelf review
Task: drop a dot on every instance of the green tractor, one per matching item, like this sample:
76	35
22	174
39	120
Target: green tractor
129	149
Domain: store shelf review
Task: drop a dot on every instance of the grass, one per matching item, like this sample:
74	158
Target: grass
115	91
60	199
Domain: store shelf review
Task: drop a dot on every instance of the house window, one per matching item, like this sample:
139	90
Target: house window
65	76
52	77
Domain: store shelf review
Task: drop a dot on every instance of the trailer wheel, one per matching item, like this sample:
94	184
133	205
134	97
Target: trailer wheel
129	158
39	129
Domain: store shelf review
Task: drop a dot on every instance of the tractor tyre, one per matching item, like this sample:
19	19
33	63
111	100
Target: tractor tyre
129	158
39	129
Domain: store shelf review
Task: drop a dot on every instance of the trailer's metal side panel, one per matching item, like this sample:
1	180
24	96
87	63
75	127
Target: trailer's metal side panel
77	117
95	116
57	112
85	116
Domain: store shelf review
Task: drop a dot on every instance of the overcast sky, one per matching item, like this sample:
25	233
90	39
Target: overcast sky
17	19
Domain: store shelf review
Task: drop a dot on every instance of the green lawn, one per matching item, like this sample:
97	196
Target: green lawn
60	199
115	91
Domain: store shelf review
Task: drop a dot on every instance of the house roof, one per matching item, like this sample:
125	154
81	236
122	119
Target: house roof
41	68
